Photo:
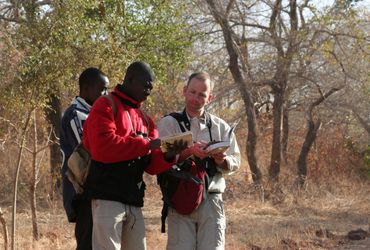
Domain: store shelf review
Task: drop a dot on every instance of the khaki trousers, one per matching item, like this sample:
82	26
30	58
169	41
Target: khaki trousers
117	226
203	229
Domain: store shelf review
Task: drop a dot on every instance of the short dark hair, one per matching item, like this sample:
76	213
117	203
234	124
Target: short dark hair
136	69
203	76
91	76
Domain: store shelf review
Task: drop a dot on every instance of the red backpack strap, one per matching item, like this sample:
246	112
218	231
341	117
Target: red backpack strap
146	120
112	103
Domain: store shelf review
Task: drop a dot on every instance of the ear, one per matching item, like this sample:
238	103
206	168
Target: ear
210	97
184	90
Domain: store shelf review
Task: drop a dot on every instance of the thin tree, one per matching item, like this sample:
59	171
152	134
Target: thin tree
16	176
34	179
311	134
5	230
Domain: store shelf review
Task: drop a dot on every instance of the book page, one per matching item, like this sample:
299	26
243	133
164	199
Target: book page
166	141
217	147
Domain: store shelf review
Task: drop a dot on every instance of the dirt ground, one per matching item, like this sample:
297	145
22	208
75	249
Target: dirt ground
283	221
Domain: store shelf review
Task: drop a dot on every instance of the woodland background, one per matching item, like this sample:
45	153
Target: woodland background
293	74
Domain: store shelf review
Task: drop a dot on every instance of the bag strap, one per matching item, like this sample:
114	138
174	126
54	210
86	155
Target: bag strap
146	120
109	97
183	118
112	103
180	118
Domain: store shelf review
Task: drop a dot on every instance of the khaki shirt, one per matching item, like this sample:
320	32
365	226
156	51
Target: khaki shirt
169	126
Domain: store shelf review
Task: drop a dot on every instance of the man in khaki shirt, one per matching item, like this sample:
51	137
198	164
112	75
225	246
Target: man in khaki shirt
205	227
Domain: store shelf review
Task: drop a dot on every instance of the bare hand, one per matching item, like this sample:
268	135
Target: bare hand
176	148
198	150
219	158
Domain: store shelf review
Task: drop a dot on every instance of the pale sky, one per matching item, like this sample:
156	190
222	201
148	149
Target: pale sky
361	4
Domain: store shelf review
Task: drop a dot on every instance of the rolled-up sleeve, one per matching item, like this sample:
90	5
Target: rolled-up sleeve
232	157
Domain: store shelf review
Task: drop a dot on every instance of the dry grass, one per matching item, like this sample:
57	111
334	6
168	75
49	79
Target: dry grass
285	220
335	200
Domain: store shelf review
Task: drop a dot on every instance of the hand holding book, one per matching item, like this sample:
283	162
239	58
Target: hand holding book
175	148
217	147
168	141
220	147
175	144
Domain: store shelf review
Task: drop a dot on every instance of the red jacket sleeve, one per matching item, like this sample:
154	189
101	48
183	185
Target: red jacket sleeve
157	164
102	139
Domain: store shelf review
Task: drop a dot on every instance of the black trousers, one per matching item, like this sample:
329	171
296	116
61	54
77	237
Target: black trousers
84	224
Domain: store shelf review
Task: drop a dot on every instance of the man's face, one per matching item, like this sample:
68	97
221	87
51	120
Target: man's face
96	90
141	87
197	95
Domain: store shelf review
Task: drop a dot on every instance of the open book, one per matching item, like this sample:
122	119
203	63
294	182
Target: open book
216	147
166	141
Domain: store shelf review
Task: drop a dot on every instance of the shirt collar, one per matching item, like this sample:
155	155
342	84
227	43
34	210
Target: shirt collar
201	121
81	103
201	118
127	99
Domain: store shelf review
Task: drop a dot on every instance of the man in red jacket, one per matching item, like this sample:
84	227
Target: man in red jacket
123	144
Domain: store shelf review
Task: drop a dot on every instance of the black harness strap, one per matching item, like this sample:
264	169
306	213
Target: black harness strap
182	119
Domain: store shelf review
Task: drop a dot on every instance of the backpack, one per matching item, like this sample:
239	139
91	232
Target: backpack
185	185
80	160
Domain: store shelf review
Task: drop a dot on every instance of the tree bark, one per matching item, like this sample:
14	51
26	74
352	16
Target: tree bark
283	64
311	134
274	169
285	135
312	129
54	117
252	138
16	177
5	230
238	76
33	184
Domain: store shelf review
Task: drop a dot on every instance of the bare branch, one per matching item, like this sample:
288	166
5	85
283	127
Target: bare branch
272	26
301	8
292	47
229	7
253	25
365	38
362	121
324	97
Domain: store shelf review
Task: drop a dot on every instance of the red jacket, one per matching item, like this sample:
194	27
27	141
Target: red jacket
119	156
110	139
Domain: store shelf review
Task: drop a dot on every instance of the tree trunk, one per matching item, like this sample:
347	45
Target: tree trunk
311	134
16	177
239	79
33	184
285	135
274	169
54	116
251	138
283	64
5	230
